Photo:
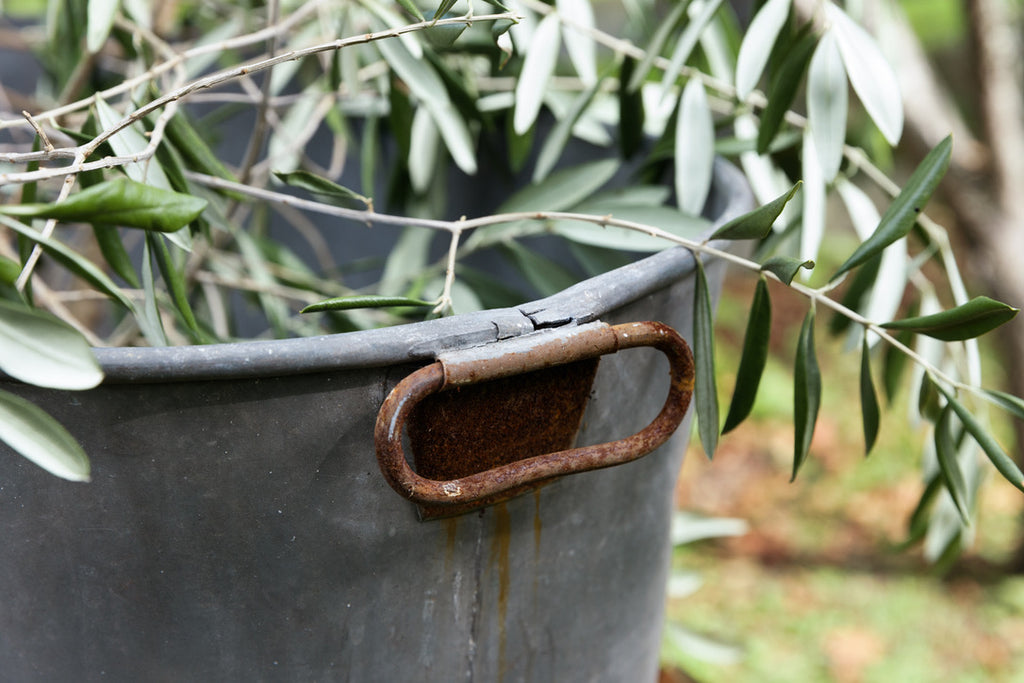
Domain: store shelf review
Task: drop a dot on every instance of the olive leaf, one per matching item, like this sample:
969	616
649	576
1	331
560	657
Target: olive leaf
1008	402
783	88
755	224
694	148
902	213
337	194
653	49
121	202
945	451
538	68
631	110
806	392
786	267
757	44
174	279
868	398
37	348
967	321
989	445
347	303
827	105
705	390
556	141
753	358
30	431
71	260
687	41
870	74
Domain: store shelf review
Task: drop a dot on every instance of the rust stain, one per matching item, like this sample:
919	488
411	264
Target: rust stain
500	546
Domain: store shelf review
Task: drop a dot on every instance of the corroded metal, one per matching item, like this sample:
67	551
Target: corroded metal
527	354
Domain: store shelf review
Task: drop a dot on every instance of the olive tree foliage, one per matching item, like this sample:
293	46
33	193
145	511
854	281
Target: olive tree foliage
111	172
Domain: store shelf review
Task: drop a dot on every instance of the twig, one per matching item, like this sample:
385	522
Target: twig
225	76
47	145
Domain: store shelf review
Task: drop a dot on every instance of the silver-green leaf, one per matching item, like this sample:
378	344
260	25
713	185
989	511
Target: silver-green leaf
30	431
753	358
806	393
39	349
122	202
705	392
757	44
901	215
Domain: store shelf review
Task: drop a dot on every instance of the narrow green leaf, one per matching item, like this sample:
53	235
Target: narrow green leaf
993	450
311	182
806	393
666	218
538	68
783	88
544	274
917	526
753	358
945	450
346	303
119	202
1008	402
579	43
687	41
174	279
424	81
445	35
786	267
9	271
414	11
27	429
812	218
72	260
863	282
100	19
868	398
757	44
37	348
558	138
116	256
150	320
967	321
705	390
902	213
755	224
894	362
442	9
871	75
193	148
694	148
423	152
631	111
827	105
563	188
653	49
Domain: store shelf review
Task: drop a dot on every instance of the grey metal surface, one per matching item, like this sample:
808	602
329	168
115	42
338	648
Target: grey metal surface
239	529
421	342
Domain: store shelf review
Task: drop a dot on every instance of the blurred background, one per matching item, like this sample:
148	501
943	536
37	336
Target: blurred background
822	587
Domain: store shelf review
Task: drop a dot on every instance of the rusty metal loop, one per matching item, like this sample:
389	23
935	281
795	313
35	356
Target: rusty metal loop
493	361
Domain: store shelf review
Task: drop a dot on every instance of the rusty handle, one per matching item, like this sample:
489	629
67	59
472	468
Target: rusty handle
531	352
